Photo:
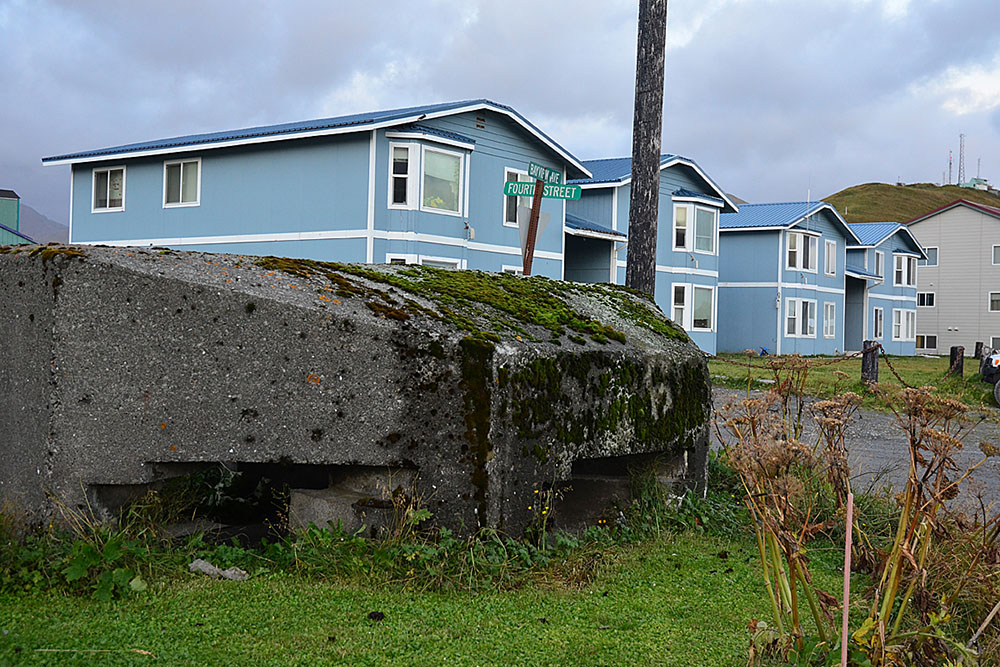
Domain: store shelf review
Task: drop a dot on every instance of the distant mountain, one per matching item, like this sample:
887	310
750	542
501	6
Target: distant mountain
40	228
881	202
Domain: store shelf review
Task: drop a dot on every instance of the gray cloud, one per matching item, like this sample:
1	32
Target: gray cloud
772	97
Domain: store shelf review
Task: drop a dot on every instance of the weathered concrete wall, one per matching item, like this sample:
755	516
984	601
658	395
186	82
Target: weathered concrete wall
122	362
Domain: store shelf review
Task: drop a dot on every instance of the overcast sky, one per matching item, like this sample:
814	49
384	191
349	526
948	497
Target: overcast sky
774	99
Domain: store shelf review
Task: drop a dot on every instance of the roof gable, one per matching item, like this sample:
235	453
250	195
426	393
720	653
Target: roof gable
781	215
612	172
873	234
982	208
8	194
321	127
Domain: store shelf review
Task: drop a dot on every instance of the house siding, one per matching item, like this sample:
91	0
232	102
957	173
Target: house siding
963	279
598	204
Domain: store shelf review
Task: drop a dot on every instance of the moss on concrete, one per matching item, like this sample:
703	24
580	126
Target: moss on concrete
490	305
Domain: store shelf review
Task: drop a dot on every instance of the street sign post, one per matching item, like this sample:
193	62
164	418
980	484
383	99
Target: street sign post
548	183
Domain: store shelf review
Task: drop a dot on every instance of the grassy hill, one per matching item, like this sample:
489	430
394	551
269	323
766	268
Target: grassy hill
877	202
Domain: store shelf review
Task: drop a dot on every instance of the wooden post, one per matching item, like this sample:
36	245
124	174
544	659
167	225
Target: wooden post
956	363
647	130
869	362
979	349
529	244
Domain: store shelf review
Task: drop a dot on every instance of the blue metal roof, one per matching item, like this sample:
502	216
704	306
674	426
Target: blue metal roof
612	169
353	122
862	272
769	215
689	193
578	223
873	233
444	134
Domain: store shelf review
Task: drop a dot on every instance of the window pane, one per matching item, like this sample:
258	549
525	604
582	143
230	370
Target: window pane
702	314
100	189
995	301
996	254
932	257
189	186
704	230
399	189
441	179
116	188
173	184
510	210
680	227
400	161
679	294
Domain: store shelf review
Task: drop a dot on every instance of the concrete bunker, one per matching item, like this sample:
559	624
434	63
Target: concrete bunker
129	366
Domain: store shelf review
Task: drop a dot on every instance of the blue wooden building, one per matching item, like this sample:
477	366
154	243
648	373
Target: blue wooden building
881	287
10	219
687	243
781	278
416	185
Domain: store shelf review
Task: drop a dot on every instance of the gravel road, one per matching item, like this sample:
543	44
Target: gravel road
877	453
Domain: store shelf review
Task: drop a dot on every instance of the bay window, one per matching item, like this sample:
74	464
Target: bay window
694	228
802	251
442	181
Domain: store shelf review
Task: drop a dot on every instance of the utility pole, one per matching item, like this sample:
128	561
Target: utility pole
647	129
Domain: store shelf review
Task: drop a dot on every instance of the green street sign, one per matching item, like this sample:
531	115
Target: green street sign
544	174
522	189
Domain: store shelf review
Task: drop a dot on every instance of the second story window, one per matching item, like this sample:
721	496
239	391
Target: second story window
704	230
181	183
879	264
403	182
680	227
802	251
830	258
695	228
932	257
442	181
904	271
109	189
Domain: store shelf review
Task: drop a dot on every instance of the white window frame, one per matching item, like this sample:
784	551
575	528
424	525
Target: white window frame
829	257
933	300
904	267
685	307
880	264
994	258
182	203
711	291
687	228
686	320
511	268
461	181
810	244
829	319
989	302
927	262
413	176
878	323
805	327
691	227
503	212
925	345
93	189
430	260
904	325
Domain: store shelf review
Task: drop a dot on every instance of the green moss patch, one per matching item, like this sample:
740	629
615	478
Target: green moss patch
489	305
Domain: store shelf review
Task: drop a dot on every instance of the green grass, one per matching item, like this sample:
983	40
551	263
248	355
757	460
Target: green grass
880	202
822	379
672	600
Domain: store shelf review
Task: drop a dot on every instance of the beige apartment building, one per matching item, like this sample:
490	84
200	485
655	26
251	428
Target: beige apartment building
958	285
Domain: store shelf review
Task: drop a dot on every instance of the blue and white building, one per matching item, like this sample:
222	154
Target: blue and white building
781	278
687	243
416	185
881	287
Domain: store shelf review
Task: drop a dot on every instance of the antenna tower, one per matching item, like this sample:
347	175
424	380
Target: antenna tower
949	167
961	159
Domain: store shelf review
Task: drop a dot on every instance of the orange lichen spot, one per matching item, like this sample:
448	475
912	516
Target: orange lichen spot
274	287
173	448
336	302
271	273
312	378
323	297
163	425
